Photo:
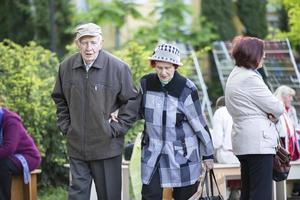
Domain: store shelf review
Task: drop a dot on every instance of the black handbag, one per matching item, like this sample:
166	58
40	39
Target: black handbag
281	162
210	195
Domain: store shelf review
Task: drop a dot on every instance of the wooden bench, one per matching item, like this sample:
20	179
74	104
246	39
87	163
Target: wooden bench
20	191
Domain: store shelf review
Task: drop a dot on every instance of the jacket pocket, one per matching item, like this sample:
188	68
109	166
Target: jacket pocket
269	138
107	126
186	152
102	97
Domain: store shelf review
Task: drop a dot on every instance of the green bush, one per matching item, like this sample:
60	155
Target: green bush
27	75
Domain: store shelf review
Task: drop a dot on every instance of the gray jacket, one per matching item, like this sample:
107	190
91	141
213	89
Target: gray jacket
85	100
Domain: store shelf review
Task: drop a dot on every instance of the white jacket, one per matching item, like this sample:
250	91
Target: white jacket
221	136
248	101
222	127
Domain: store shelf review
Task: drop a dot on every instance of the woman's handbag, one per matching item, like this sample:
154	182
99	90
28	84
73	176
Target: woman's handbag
281	162
199	194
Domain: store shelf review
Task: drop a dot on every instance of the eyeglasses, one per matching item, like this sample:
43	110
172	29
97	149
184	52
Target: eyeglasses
89	43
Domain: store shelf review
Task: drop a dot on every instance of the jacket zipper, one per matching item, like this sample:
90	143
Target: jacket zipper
85	111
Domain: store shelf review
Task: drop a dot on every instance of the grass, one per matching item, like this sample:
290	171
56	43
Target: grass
53	193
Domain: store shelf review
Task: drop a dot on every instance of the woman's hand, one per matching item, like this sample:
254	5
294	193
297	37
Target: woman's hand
272	118
114	117
208	164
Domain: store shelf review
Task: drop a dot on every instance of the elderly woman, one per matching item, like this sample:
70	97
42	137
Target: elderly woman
253	109
18	153
288	121
175	137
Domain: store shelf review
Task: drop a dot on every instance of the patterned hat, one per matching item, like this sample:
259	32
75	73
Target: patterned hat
166	53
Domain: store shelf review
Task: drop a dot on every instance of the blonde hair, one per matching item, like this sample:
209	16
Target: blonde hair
283	91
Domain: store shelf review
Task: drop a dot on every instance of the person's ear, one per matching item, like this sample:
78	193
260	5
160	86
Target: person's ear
77	43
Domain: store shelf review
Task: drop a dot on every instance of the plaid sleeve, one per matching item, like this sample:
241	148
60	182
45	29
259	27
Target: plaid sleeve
195	118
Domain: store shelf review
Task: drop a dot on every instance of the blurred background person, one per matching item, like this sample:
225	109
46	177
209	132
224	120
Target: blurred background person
288	121
253	109
222	127
18	153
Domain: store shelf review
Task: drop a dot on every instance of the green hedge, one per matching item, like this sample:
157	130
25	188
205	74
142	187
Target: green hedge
27	75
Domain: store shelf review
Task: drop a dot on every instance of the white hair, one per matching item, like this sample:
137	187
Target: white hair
283	91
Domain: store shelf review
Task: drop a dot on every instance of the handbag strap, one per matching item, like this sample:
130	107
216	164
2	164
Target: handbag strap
212	181
202	183
213	178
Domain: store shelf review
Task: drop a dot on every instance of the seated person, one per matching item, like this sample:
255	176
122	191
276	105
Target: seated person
222	126
18	153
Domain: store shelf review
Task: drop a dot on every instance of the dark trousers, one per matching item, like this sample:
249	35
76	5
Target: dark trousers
153	191
7	169
256	176
106	174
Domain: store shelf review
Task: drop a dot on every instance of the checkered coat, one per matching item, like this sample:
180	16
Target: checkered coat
175	136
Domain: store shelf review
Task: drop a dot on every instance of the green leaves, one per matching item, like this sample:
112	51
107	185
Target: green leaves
27	76
293	8
172	23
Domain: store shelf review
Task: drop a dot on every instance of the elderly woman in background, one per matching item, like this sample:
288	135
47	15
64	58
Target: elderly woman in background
18	153
288	121
253	109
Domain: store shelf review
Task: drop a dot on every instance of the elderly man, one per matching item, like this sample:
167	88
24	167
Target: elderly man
90	85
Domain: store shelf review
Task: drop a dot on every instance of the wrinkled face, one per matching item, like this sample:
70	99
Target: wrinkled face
89	47
287	100
164	70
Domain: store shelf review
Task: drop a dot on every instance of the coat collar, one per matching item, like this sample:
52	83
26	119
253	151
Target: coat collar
174	87
99	62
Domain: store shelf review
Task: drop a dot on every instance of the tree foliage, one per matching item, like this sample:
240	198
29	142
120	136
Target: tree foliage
14	15
113	12
253	15
220	13
293	9
52	20
27	76
171	23
45	22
